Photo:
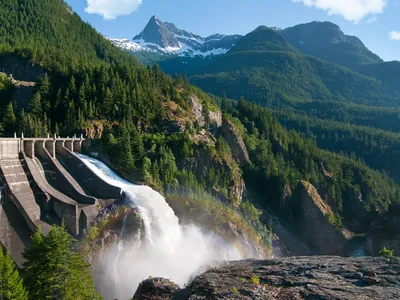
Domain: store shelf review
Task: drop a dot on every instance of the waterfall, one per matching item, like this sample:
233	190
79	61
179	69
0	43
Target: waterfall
168	249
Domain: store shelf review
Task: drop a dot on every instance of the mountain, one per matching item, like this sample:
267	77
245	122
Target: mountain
167	39
265	67
183	52
326	40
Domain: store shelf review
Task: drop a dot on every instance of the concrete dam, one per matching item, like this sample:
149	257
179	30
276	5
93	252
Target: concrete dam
44	183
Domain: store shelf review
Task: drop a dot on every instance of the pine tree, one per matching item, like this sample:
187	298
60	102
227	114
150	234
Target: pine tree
145	171
53	270
11	285
9	119
124	151
44	86
137	145
35	106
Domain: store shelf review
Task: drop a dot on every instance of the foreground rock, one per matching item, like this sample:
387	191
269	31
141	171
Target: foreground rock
316	277
156	289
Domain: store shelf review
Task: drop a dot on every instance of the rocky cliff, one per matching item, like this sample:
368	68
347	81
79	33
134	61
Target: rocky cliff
317	277
116	224
384	232
21	69
311	215
232	136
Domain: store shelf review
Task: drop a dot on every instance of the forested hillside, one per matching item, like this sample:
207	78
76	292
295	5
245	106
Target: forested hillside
138	104
325	40
164	132
264	67
51	35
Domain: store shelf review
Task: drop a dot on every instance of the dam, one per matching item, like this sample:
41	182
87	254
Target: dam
45	183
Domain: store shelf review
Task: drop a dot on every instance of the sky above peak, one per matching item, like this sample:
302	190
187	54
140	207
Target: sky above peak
375	22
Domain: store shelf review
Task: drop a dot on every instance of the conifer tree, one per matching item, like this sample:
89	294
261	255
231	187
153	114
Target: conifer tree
35	106
53	270
44	86
9	119
11	285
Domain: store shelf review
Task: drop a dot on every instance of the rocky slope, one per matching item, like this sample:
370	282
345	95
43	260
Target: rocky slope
318	277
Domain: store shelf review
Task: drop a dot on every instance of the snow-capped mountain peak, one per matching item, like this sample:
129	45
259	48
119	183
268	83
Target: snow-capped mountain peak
166	38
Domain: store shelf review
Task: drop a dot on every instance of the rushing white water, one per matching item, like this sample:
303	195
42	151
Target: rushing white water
168	249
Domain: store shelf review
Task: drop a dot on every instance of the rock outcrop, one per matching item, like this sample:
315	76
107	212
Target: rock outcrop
197	110
315	277
215	117
94	130
310	214
20	68
235	141
385	232
119	223
203	163
155	289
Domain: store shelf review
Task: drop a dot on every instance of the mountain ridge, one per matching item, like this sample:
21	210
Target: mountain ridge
326	40
167	39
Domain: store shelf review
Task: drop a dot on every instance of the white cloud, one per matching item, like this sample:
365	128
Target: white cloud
394	35
111	9
351	10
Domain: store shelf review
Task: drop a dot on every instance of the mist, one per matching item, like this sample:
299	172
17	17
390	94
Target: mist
165	248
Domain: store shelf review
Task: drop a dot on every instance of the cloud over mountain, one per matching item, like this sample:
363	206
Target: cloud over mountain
354	10
111	9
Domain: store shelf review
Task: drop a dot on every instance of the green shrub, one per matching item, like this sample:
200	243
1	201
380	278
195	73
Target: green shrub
386	252
255	279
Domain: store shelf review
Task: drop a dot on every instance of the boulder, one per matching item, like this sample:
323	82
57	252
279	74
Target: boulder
156	289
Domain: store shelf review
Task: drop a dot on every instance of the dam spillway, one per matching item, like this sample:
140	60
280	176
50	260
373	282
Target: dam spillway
44	183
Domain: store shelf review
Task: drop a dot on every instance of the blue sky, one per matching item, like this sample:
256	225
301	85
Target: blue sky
375	22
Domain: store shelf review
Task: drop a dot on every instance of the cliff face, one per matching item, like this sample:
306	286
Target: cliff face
384	232
203	162
20	68
235	142
310	214
288	278
119	223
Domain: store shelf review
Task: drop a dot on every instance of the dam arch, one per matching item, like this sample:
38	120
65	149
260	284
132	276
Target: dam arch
39	177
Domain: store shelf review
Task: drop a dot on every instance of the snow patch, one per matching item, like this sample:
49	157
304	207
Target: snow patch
191	45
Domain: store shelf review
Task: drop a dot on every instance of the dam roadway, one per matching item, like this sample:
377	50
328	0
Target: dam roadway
43	183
